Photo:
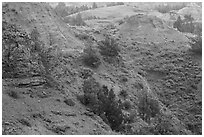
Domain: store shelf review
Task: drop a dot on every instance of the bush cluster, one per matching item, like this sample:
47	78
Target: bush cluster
148	107
104	103
188	25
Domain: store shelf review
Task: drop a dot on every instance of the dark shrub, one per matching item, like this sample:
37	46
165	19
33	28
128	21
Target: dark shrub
123	93
60	9
25	122
198	29
90	88
81	99
13	94
126	105
111	107
94	6
196	44
40	48
86	73
164	126
82	36
79	21
69	102
148	107
178	24
109	47
120	22
90	58
75	20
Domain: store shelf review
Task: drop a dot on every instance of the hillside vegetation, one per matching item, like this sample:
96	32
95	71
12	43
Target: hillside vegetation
115	70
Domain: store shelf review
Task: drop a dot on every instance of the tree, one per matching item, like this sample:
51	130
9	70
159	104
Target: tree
196	44
79	21
188	18
198	29
94	5
178	24
61	9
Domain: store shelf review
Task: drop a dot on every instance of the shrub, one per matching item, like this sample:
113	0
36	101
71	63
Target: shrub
90	57
25	122
126	105
82	36
90	88
148	107
78	21
198	29
163	126
94	6
196	44
121	21
69	102
123	93
60	9
43	52
86	73
109	47
13	94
